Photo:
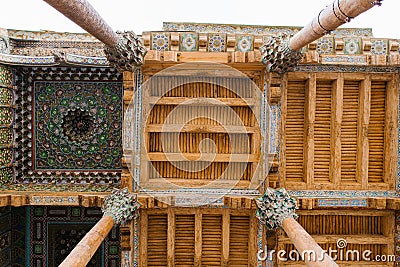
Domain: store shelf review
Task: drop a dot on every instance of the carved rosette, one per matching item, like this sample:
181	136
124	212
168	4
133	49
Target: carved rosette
274	207
121	205
128	54
278	56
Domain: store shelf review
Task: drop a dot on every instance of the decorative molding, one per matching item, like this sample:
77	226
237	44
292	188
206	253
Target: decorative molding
345	59
341	194
54	200
255	29
343	203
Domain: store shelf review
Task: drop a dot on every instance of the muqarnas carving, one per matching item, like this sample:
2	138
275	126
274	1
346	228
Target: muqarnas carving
77	125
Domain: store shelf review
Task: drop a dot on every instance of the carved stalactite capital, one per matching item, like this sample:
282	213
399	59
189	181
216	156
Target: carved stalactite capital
121	205
274	207
128	54
278	56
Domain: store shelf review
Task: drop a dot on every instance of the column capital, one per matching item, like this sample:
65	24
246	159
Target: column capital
277	55
121	205
274	207
128	53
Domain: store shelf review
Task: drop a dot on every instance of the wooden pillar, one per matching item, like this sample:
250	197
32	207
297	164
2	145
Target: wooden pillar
82	13
306	246
333	16
276	209
119	208
86	248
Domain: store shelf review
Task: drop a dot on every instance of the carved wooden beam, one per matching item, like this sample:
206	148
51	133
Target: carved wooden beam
124	51
119	208
282	53
276	209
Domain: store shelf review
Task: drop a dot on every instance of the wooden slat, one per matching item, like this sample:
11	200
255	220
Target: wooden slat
294	131
201	170
157	240
391	135
212	240
351	96
184	239
239	241
322	131
220	143
376	133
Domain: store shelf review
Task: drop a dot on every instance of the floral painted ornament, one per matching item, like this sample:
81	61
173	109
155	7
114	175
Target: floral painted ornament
274	207
121	205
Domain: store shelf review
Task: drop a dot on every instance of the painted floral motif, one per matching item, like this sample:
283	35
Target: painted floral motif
160	41
325	46
189	42
352	45
216	42
244	43
77	125
379	47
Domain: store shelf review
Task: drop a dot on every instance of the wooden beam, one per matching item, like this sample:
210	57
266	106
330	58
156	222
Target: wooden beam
199	101
192	128
282	165
198	238
160	156
337	110
391	135
143	238
225	236
309	119
253	228
171	238
362	132
351	239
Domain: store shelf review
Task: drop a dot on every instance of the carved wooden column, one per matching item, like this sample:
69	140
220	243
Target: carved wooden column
276	209
124	51
119	208
282	53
